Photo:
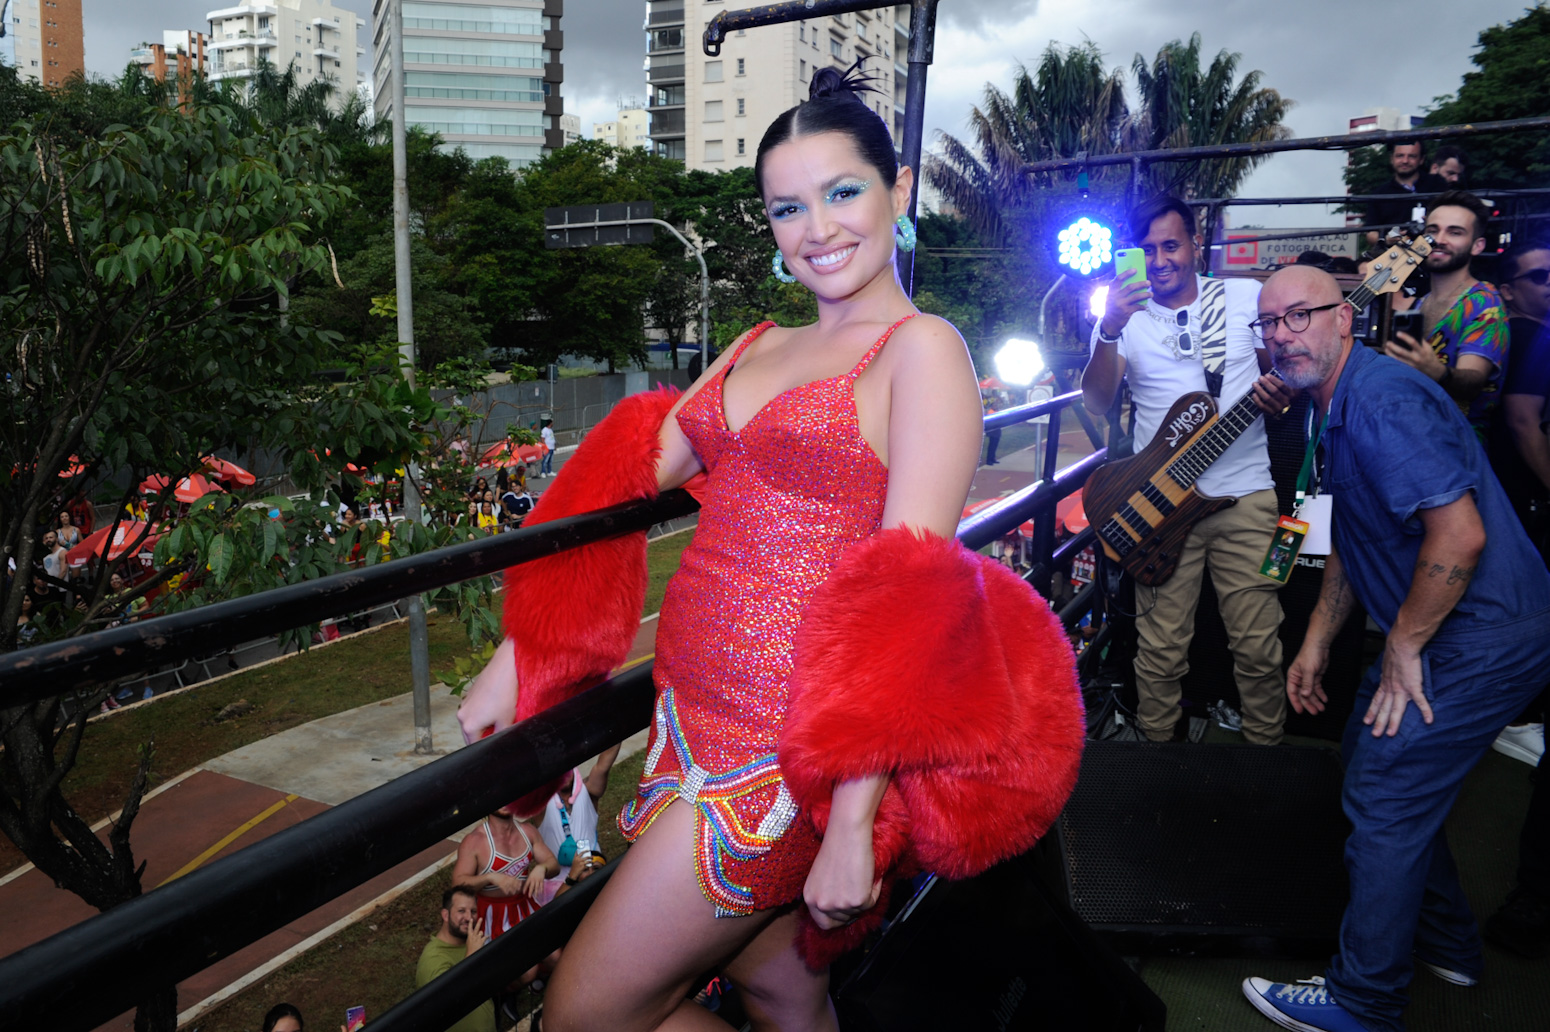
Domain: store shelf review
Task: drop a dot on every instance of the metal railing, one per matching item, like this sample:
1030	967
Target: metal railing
187	925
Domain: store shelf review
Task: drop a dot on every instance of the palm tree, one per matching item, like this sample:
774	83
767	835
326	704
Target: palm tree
1183	105
1069	104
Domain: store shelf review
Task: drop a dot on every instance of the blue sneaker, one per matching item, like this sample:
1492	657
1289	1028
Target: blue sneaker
1300	1006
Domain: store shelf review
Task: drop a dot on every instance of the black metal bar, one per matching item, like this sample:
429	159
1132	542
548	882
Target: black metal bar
1080	603
278	879
1061	558
1268	202
1051	448
442	1003
991	523
49	669
922	52
1023	413
1063	381
759	15
1237	150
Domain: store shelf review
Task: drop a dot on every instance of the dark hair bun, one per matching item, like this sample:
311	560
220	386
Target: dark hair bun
846	85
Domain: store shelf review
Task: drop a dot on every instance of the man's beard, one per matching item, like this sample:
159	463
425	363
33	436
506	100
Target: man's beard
1310	374
1451	263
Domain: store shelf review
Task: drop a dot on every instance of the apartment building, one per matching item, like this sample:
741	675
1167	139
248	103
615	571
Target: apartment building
181	54
321	40
710	112
484	75
631	127
49	42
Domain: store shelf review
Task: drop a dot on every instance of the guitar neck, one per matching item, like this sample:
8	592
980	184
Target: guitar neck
1186	468
1361	297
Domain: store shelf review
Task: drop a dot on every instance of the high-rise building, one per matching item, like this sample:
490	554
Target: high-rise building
180	54
319	39
710	112
485	75
570	128
49	43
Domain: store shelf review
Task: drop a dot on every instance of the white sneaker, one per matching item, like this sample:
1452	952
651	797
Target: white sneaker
1524	742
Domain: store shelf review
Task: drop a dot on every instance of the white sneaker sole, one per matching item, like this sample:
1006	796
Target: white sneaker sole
1448	975
1269	1010
1512	748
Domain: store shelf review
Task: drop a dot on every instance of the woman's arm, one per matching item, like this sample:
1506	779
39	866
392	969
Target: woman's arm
934	430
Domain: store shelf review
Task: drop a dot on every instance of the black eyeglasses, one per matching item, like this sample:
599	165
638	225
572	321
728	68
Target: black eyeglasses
1534	276
1296	320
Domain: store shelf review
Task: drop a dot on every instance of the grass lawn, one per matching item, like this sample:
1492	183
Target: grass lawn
319	683
372	963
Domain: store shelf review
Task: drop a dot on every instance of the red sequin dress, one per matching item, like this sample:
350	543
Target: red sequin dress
785	496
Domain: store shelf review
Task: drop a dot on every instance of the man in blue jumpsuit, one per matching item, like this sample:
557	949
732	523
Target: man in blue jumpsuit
1425	539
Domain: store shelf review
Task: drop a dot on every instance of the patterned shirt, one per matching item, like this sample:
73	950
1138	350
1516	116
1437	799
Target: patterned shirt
1476	325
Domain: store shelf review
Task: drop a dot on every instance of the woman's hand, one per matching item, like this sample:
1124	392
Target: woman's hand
842	884
491	700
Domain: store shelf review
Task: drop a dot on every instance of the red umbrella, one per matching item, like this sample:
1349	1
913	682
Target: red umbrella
230	472
190	488
509	452
125	535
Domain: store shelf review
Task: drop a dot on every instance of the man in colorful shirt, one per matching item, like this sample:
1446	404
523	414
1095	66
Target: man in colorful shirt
1464	322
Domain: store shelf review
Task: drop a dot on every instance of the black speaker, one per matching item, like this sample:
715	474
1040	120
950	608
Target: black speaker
1210	674
1217	850
1000	951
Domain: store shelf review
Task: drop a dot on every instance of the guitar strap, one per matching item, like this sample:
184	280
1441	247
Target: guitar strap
1213	333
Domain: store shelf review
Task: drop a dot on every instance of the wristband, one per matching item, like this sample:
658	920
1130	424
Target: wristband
571	881
1104	338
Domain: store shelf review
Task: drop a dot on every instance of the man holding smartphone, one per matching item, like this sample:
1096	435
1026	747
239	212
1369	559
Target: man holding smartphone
1170	333
1463	321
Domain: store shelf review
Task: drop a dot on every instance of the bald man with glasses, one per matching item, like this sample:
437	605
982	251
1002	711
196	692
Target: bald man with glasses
1424	538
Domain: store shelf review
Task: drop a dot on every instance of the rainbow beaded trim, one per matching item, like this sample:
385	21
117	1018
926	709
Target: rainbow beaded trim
720	833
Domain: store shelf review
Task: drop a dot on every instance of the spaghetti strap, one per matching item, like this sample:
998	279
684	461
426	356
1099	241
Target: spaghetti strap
866	359
526	842
489	862
749	338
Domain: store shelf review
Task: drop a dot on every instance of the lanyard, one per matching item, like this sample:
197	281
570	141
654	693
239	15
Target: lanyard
1308	476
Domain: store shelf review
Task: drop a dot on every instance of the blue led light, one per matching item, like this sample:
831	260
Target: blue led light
1086	246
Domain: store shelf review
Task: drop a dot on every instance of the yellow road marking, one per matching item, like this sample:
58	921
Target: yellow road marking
229	839
635	662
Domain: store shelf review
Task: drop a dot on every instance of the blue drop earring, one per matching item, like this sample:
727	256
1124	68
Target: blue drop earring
778	266
904	233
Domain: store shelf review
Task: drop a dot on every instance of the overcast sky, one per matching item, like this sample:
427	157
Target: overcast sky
1335	58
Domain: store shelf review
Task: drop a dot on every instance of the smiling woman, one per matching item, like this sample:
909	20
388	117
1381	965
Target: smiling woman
818	731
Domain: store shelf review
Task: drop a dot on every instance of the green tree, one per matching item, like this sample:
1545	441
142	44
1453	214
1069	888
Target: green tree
1512	80
1068	105
141	268
1183	104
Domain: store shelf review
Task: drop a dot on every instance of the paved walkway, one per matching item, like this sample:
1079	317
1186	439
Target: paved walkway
244	796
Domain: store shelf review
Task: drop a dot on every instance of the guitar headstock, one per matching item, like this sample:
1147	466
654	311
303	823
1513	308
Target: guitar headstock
1389	271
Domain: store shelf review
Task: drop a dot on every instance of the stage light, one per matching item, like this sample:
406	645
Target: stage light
1085	246
1019	362
1098	302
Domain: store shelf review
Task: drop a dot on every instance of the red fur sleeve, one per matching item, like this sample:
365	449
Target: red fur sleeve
941	668
573	615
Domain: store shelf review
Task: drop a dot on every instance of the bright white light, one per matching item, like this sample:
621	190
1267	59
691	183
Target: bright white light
1019	362
1098	302
1085	246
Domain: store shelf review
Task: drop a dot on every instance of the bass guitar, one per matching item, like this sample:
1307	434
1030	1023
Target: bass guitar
1151	499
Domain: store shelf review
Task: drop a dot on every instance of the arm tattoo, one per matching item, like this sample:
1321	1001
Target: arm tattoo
1430	568
1460	575
1335	598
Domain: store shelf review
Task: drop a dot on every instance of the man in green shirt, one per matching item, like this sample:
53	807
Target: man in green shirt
460	935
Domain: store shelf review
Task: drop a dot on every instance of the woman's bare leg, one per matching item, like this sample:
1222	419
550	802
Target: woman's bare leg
630	964
778	990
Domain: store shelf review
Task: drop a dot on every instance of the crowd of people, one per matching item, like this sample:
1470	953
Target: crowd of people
1427	474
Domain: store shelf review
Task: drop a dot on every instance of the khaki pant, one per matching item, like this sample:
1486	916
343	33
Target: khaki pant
1232	544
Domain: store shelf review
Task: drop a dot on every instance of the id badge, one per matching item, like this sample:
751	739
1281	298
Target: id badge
1318	513
1285	543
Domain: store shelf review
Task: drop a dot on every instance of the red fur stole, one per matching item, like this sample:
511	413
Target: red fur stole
941	668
